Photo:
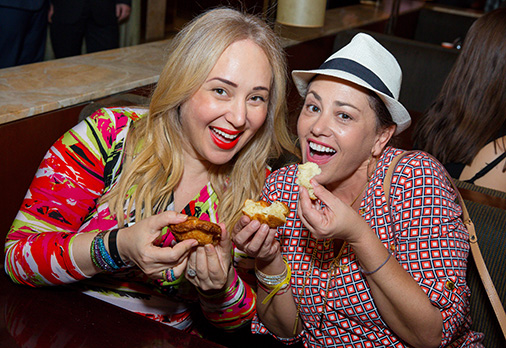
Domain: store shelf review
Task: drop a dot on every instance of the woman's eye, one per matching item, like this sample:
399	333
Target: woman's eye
258	98
344	116
220	91
313	108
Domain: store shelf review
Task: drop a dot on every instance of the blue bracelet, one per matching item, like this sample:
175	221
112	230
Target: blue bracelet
377	269
100	256
103	252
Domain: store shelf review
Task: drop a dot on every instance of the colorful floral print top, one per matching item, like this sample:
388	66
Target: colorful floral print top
424	233
61	202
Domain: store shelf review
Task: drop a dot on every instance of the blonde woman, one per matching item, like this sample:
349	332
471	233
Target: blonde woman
96	213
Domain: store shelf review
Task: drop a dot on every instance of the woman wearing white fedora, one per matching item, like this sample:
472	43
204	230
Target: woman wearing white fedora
352	268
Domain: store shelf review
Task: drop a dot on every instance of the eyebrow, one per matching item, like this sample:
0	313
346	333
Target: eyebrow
337	102
230	83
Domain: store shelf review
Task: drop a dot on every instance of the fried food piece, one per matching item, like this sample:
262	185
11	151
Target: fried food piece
306	172
205	232
273	214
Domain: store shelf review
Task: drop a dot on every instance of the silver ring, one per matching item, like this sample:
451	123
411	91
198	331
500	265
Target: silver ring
191	272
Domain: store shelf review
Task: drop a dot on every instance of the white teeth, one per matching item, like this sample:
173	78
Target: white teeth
321	148
225	135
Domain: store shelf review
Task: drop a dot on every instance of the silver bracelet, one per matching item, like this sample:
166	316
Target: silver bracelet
270	280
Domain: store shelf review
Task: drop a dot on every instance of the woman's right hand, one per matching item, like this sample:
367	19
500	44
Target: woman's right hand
135	244
256	240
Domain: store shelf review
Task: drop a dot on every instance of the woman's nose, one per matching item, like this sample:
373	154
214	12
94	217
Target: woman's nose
237	114
320	125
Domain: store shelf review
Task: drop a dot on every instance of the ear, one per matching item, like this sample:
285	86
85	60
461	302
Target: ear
382	139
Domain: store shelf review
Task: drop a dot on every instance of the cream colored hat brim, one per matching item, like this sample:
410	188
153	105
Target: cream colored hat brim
366	53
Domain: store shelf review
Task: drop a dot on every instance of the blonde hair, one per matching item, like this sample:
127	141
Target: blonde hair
150	176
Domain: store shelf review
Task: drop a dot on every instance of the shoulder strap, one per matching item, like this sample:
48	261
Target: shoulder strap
388	176
487	168
473	239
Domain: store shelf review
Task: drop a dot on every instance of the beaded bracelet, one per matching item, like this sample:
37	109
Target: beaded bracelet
113	248
377	269
100	256
97	260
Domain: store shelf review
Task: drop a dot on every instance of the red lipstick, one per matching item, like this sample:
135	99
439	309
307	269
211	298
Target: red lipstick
223	143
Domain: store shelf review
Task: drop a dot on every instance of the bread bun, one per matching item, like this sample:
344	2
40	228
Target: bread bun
273	214
306	172
205	232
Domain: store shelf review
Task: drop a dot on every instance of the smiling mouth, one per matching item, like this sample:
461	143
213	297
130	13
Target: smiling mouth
319	152
225	140
227	136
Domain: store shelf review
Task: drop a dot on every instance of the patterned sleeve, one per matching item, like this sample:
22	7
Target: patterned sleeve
63	192
232	308
431	240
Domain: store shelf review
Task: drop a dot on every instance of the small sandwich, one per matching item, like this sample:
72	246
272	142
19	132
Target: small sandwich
306	172
205	232
273	214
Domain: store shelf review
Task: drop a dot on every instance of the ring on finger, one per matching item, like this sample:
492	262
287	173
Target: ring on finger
191	272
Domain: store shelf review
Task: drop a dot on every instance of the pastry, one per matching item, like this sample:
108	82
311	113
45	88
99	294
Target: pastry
205	232
273	214
306	172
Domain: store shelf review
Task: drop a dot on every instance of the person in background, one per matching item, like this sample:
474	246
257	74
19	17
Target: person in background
23	31
491	5
96	213
465	127
94	21
353	268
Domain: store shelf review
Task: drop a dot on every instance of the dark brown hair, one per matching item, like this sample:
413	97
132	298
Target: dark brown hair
470	110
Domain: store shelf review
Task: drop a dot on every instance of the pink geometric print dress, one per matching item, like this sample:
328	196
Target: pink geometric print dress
423	232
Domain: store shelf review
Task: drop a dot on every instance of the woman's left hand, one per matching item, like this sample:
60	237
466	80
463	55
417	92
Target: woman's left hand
336	220
208	266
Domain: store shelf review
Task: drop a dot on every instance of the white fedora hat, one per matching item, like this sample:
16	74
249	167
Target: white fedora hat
368	64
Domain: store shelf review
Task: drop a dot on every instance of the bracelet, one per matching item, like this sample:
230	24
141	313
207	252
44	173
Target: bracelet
100	256
113	248
377	269
271	280
97	260
281	291
275	288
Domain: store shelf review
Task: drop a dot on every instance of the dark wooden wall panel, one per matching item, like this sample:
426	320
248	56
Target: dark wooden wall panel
23	144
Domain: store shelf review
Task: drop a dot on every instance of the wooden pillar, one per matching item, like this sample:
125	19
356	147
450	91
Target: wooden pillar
155	20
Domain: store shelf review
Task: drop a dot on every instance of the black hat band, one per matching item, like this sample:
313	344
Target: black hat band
354	68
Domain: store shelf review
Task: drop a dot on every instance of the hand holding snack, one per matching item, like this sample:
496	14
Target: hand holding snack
205	232
273	214
306	172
